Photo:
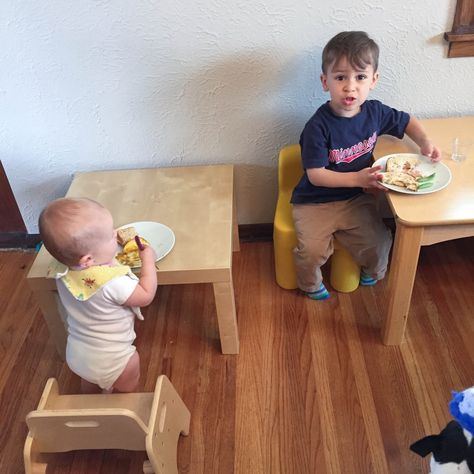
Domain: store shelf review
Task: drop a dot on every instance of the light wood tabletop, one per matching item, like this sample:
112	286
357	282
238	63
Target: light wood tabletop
429	218
196	202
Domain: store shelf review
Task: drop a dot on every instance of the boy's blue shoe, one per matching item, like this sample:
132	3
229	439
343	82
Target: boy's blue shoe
366	280
321	294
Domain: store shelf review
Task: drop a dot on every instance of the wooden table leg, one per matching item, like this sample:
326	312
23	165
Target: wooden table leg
235	226
226	317
401	278
55	318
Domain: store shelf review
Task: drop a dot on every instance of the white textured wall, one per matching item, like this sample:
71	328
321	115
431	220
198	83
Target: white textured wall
117	84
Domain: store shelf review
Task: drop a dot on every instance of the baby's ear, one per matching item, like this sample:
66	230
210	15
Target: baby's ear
86	261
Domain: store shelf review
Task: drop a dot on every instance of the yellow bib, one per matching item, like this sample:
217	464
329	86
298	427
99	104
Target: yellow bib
83	284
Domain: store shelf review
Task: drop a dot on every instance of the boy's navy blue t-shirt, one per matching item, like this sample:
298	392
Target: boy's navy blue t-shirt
343	144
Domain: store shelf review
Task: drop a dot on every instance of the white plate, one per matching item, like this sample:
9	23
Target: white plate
160	237
426	166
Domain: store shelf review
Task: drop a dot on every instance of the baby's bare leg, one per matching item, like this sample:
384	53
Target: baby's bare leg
128	379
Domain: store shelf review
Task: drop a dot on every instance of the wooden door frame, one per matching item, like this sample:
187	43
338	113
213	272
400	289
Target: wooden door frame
13	233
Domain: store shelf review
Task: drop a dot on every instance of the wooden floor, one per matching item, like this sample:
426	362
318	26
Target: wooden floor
312	391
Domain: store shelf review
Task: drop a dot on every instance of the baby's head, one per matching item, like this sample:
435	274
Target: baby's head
356	46
78	232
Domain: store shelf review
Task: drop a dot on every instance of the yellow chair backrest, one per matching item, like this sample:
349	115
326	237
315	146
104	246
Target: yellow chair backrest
290	171
290	168
284	236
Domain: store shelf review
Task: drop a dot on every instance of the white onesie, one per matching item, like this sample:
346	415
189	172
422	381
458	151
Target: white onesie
100	330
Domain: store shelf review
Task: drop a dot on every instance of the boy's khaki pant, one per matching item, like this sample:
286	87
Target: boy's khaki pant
357	226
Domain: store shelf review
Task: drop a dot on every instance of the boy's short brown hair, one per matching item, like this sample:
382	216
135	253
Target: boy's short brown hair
359	49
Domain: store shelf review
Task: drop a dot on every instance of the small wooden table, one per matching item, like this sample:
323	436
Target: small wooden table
427	219
196	202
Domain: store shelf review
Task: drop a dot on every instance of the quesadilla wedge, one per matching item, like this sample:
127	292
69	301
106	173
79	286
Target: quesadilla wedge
403	180
403	164
402	171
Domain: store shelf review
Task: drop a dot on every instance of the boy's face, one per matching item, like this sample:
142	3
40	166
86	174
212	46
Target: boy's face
348	87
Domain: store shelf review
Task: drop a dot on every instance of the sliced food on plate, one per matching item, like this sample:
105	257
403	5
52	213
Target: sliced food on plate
403	171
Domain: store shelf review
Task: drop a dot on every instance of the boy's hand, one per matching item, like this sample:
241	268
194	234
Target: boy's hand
427	148
370	178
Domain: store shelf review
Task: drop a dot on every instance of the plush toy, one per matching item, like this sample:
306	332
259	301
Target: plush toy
453	448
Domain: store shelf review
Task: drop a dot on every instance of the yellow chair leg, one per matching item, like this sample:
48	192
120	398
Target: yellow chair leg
345	273
284	264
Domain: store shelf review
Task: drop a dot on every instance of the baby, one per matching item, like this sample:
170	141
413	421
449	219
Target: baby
101	297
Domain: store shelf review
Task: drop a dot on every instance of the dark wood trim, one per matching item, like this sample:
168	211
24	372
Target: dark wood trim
264	232
247	233
461	37
461	49
256	232
18	240
11	220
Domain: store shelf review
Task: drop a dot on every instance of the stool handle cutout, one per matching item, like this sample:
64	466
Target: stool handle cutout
82	424
161	424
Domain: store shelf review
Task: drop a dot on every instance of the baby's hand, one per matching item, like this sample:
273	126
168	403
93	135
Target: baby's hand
145	291
139	243
147	253
427	148
370	178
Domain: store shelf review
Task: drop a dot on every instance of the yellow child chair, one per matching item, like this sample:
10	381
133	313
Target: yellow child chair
150	422
345	273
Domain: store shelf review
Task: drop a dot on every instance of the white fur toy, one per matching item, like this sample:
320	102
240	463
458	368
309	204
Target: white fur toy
452	449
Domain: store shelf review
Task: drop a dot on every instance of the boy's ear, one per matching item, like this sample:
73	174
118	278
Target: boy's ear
374	80
323	78
86	261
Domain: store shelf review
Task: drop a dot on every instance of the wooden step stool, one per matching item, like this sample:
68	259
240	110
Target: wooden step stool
133	421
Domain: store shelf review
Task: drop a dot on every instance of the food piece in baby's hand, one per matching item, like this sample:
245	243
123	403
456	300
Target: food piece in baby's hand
129	254
125	235
139	243
131	245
